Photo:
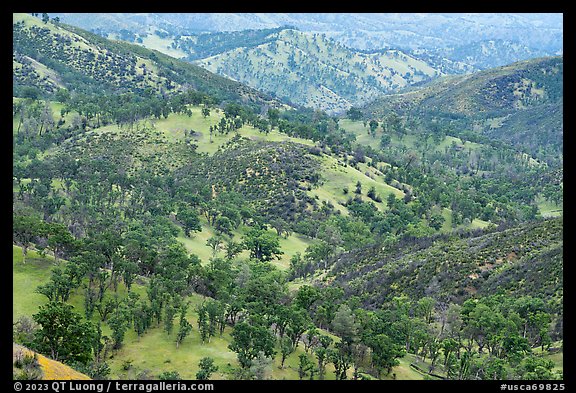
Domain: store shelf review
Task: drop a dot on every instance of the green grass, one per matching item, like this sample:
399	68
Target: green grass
197	245
56	115
57	184
362	137
413	373
336	176
547	208
357	128
478	223
156	351
25	278
175	125
558	359
152	41
447	225
290	246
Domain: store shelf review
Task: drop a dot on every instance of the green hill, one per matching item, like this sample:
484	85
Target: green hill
520	104
51	55
311	70
521	260
148	356
515	86
166	216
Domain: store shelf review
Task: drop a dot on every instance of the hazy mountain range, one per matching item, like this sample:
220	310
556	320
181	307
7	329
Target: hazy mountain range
359	30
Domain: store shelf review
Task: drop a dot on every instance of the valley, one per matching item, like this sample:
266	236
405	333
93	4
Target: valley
221	222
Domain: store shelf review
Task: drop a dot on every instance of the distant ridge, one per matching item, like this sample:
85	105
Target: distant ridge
520	103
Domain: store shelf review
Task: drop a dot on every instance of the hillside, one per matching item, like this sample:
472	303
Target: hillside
515	86
30	365
375	53
146	357
454	268
477	55
310	70
171	223
493	53
202	45
48	56
520	104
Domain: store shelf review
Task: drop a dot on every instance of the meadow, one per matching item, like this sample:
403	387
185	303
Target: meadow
155	352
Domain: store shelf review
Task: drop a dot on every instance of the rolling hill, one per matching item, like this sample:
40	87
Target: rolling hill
177	217
455	268
48	56
477	55
370	54
310	70
520	104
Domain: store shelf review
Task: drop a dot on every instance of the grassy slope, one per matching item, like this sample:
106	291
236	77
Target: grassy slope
197	245
362	137
51	369
25	278
333	76
152	41
549	209
336	176
175	125
383	189
155	351
56	115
